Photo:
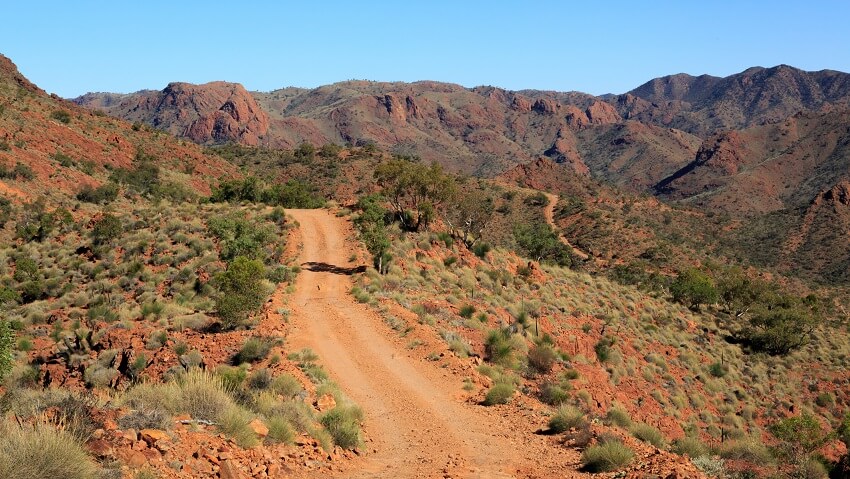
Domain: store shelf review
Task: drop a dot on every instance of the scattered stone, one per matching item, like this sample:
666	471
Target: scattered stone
325	403
259	428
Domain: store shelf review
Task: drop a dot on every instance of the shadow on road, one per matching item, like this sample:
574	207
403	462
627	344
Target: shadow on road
330	268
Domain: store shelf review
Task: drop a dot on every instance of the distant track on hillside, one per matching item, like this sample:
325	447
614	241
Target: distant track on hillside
549	214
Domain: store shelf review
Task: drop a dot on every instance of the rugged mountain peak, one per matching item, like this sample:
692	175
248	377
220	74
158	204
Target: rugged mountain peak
219	112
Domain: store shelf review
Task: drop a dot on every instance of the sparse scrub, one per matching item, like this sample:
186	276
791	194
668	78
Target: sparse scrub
254	349
42	451
647	433
343	424
566	417
608	456
499	393
618	416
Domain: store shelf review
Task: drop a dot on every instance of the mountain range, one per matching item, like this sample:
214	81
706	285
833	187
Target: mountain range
768	145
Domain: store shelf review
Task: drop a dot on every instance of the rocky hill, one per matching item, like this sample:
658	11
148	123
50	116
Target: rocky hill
786	181
482	131
62	147
705	104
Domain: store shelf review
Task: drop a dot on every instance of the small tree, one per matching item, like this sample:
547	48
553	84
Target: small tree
780	324
799	437
241	291
7	338
541	242
373	230
738	292
694	288
414	190
468	214
106	229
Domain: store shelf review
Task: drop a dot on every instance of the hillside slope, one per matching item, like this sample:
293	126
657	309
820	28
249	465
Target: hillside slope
66	147
704	104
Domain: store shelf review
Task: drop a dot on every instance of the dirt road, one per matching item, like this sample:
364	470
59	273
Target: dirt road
415	425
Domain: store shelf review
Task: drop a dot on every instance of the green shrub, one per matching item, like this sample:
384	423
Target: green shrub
540	242
105	193
61	116
343	424
647	433
466	311
106	229
694	288
500	393
241	291
35	223
286	385
618	417
608	456
41	451
554	394
254	349
566	417
481	249
690	446
235	422
260	379
7	338
541	357
23	171
749	450
718	369
603	348
499	347
280	431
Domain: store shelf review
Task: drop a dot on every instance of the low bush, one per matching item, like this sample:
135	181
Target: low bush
749	450
343	424
235	422
280	431
566	417
500	393
41	451
647	433
554	394
105	193
618	417
690	446
608	456
541	358
254	349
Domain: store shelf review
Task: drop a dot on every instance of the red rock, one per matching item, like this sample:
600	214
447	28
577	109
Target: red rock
229	470
325	403
152	436
134	459
100	448
259	428
602	113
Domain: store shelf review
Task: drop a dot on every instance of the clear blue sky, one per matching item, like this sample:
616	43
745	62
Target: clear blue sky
71	47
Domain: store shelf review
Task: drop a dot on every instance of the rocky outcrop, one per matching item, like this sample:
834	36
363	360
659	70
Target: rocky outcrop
602	113
218	112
